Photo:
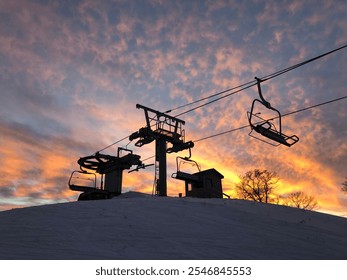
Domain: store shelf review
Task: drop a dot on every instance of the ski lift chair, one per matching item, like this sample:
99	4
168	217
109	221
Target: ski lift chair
81	180
266	127
180	175
86	183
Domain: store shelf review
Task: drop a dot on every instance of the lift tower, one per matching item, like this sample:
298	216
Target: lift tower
162	129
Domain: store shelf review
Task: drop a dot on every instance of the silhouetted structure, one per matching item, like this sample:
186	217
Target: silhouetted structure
266	127
203	184
163	129
110	169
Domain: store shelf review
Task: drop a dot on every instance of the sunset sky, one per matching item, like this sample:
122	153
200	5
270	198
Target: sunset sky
72	72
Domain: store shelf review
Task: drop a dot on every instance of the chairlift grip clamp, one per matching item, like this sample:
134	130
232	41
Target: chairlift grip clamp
266	103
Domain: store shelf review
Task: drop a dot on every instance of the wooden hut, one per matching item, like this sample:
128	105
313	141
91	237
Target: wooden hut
203	184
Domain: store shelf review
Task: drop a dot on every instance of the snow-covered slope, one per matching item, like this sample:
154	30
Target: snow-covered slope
138	226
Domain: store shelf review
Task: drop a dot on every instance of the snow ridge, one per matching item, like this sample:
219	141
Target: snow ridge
139	226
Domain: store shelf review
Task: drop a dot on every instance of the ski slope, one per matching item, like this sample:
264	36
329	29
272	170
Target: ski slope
139	226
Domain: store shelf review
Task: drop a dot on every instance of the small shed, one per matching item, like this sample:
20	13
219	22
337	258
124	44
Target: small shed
203	184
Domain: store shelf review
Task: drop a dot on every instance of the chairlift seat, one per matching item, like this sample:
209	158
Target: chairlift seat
276	136
79	188
186	176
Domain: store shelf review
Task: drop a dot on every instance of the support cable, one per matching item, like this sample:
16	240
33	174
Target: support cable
237	90
284	115
109	146
208	97
247	126
273	75
250	84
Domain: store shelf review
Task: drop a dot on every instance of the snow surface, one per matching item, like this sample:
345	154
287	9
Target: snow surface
139	226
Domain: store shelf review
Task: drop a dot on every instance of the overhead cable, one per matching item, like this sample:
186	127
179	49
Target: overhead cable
284	115
249	84
233	91
114	143
208	97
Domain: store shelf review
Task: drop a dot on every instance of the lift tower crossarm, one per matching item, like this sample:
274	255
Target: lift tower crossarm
159	114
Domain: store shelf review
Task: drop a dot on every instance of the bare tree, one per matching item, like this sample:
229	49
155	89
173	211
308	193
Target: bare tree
344	186
300	200
257	185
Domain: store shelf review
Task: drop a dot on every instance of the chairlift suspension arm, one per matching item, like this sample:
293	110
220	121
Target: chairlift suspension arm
266	103
123	149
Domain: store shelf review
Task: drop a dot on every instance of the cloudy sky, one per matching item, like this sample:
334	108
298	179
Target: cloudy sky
72	72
